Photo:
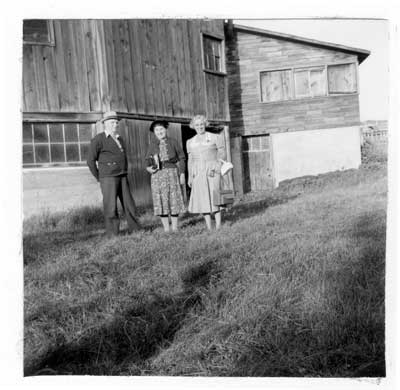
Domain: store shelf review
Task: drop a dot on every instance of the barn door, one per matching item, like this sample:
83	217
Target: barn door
257	163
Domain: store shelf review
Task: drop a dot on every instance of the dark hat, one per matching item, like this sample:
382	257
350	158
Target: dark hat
109	115
158	122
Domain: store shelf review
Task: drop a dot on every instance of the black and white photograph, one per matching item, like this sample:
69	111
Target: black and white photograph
204	196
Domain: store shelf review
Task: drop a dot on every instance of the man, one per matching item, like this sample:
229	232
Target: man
108	164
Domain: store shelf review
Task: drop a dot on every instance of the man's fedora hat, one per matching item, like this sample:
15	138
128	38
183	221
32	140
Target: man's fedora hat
109	115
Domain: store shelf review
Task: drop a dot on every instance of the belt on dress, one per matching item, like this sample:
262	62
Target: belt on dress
167	164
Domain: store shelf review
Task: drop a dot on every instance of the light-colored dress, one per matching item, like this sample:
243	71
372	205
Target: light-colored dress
204	171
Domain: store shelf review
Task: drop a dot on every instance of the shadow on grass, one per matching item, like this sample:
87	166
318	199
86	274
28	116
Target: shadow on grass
50	233
41	244
243	209
123	346
248	209
343	338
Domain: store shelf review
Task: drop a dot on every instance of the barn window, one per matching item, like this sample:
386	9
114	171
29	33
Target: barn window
212	50
276	85
55	144
309	82
38	32
297	83
342	78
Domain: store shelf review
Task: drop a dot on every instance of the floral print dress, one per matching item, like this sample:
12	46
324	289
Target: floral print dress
165	187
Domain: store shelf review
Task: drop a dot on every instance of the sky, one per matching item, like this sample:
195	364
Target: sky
369	34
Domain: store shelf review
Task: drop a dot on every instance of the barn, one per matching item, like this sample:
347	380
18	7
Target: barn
294	106
286	106
73	70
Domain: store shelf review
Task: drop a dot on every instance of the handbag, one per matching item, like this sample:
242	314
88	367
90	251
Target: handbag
225	167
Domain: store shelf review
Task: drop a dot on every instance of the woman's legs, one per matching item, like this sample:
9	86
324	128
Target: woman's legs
217	219
174	221
165	222
207	218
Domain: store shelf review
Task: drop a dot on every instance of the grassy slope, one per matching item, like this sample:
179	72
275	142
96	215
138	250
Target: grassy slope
292	285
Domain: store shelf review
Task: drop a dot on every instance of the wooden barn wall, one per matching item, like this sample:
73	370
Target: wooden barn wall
248	54
151	67
137	137
65	77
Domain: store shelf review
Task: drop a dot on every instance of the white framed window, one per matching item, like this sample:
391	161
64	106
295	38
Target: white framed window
308	82
38	32
56	144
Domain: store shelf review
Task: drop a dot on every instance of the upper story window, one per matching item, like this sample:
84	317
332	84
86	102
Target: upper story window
342	78
213	55
52	144
38	32
276	85
309	82
298	83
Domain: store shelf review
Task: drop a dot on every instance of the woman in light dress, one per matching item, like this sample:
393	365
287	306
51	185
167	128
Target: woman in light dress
166	164
205	150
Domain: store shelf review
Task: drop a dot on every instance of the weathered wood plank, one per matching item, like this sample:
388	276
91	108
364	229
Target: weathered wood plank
147	71
100	50
72	64
110	61
129	84
70	67
119	65
173	75
187	68
176	87
40	79
167	62
198	80
137	66
160	63
30	92
89	49
152	48
62	82
182	76
51	78
81	67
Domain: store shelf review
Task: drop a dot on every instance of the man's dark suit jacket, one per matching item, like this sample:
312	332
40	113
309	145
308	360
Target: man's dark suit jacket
110	158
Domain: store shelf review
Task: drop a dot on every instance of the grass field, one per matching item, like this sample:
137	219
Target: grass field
292	285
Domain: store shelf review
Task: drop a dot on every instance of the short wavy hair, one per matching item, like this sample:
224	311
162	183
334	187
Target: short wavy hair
199	117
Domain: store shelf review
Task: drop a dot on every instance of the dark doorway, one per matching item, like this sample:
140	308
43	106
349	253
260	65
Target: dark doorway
187	133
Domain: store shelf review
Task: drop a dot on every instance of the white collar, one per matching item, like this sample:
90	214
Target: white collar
109	134
207	137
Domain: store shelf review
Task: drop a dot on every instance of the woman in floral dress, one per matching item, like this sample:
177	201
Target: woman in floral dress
205	150
166	164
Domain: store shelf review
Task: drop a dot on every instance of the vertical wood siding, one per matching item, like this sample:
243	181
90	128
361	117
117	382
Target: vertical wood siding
147	66
248	54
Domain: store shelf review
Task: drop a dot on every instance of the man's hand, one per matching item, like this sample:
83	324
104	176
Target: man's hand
182	179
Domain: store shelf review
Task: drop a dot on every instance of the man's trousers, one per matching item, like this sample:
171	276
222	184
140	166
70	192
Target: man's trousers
114	187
